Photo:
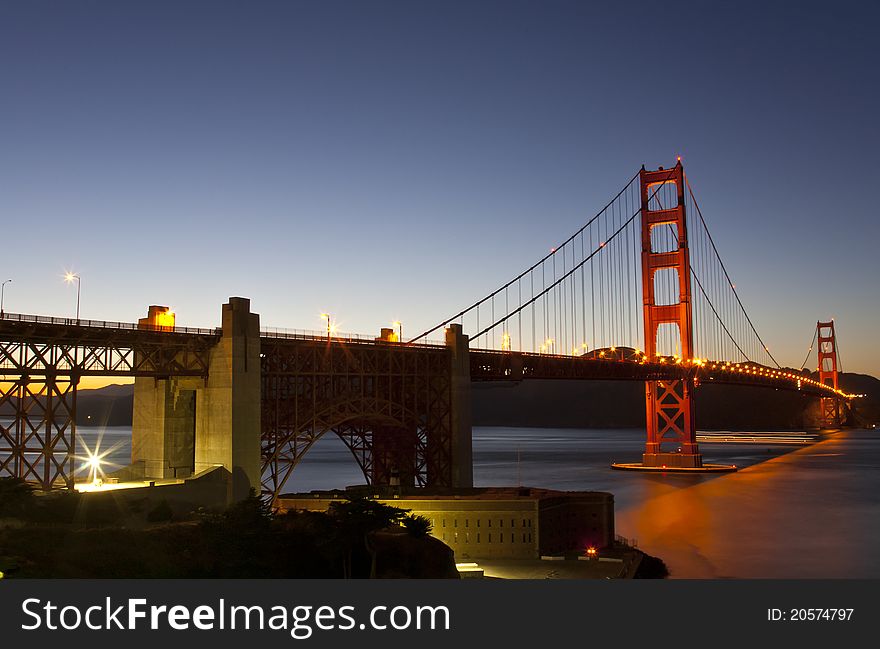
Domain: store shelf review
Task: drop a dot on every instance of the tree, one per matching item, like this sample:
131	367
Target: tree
355	519
418	526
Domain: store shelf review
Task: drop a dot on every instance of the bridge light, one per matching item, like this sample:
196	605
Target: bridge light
330	327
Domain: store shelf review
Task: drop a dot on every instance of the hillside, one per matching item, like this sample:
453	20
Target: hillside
612	404
585	404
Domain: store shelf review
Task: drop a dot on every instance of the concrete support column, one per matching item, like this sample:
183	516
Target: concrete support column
228	423
185	425
460	372
163	423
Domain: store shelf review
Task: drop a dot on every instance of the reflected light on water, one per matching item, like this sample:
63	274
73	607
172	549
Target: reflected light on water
800	515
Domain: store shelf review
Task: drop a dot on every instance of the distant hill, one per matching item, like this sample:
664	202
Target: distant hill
107	406
866	411
584	404
621	404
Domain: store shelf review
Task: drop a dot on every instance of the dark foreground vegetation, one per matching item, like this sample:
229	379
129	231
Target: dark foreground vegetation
651	568
70	535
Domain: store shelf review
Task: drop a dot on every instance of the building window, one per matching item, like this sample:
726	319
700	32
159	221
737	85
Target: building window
444	522
513	522
455	538
490	522
467	522
467	537
500	522
511	538
478	537
455	523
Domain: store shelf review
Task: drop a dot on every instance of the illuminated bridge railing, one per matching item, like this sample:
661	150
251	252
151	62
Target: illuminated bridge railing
306	334
495	365
105	324
34	346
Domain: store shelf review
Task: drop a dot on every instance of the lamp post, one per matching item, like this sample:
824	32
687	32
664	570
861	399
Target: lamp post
399	325
326	316
2	290
69	278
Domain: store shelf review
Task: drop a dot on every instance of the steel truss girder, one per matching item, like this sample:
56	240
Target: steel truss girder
37	431
390	404
40	367
47	350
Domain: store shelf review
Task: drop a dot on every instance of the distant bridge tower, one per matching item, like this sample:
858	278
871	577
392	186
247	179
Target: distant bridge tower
828	373
669	404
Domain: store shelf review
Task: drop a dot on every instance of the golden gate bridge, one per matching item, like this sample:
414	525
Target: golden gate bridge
639	293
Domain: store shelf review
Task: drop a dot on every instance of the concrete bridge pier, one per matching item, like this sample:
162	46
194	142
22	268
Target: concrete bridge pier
460	375
185	425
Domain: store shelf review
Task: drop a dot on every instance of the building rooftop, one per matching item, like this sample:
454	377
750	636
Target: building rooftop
441	493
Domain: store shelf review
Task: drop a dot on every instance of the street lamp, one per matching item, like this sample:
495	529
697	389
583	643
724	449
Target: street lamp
2	289
399	325
69	277
326	317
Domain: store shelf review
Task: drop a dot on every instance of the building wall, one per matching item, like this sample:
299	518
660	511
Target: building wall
499	529
576	522
524	527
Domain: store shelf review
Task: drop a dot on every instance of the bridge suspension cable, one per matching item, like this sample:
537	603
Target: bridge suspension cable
547	269
585	296
733	311
810	350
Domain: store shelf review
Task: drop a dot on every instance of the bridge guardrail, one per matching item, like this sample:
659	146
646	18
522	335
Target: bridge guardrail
105	324
307	334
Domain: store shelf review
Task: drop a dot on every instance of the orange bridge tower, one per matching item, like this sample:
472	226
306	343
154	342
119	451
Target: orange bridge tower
830	412
671	432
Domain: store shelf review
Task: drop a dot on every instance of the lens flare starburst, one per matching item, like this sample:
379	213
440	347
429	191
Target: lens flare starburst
94	461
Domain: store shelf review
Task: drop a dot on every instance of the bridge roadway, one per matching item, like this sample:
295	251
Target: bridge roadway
628	365
402	409
40	346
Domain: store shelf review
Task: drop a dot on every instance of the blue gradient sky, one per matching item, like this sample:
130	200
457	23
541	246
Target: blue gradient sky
396	160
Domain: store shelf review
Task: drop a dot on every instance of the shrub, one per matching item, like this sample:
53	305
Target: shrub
160	513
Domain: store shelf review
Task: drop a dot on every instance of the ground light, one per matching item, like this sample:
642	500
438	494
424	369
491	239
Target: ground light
468	570
95	462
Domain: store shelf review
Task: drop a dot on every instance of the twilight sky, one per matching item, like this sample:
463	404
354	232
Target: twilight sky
396	160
